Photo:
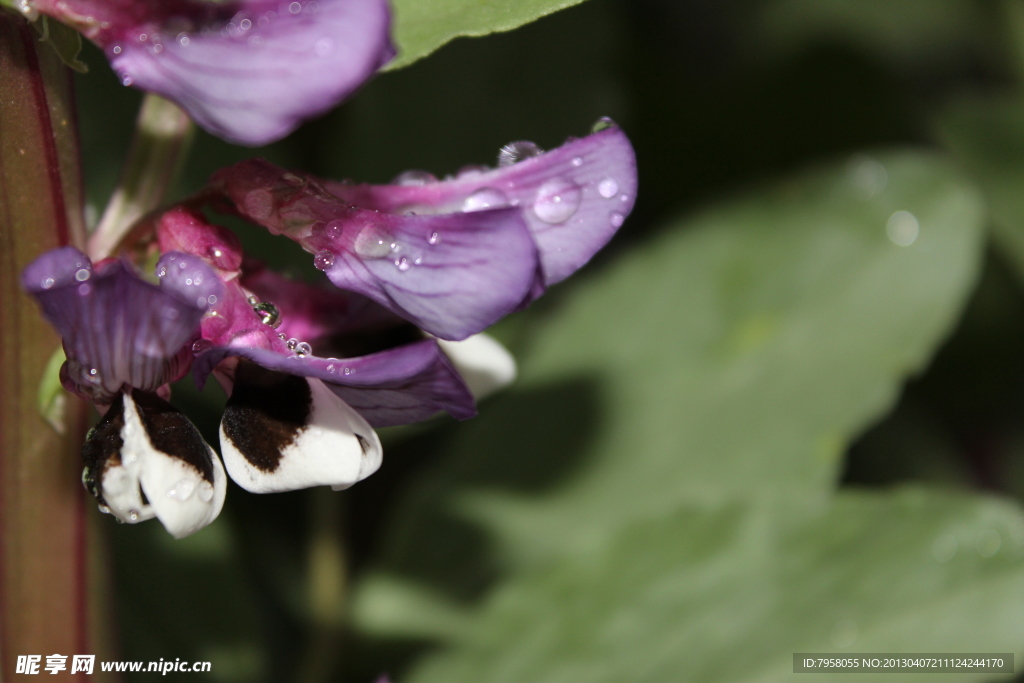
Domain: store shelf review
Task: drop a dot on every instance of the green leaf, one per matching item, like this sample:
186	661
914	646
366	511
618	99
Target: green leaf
734	356
53	398
422	26
65	41
730	593
986	134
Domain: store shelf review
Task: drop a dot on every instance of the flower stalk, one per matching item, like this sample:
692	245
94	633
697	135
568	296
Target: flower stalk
44	605
163	135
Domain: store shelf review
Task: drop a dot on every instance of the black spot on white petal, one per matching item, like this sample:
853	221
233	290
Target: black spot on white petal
265	413
102	447
172	433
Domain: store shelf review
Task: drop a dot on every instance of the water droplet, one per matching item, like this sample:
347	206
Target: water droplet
212	299
471	171
607	188
183	40
104	509
372	243
434	238
295	8
268	313
484	198
617	219
292	343
117	49
303	348
867	175
201	345
330	367
126	80
603	123
403	264
577	161
47	283
253	300
624	197
82	274
902	228
417	261
205	491
323	260
182	490
414	177
84	289
133	515
245	24
514	152
557	200
280	335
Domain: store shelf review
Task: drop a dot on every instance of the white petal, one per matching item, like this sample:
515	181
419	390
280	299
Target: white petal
483	362
330	445
177	493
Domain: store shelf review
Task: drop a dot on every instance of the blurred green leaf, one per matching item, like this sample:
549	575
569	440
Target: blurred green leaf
730	593
733	357
65	41
53	398
422	26
986	134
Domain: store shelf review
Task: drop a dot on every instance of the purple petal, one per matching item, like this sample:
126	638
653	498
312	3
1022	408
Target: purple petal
250	71
402	385
185	230
452	275
118	329
573	198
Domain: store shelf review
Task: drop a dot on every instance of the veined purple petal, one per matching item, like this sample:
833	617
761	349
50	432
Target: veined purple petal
452	275
118	329
573	198
249	71
402	385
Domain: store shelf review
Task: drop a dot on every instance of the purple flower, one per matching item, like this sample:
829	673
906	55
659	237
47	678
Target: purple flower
419	269
125	339
451	256
249	71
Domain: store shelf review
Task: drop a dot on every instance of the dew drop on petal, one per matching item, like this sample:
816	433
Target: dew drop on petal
323	259
268	313
295	8
205	491
617	219
471	170
411	178
117	49
607	188
47	283
133	515
484	198
292	343
330	367
182	490
200	345
303	348
557	200
514	152
577	161
84	289
371	243
103	509
603	123
82	274
434	238
403	264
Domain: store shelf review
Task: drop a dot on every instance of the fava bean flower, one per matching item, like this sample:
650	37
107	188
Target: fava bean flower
417	270
249	71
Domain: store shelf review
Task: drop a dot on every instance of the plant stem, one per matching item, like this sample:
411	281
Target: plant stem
163	135
44	604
